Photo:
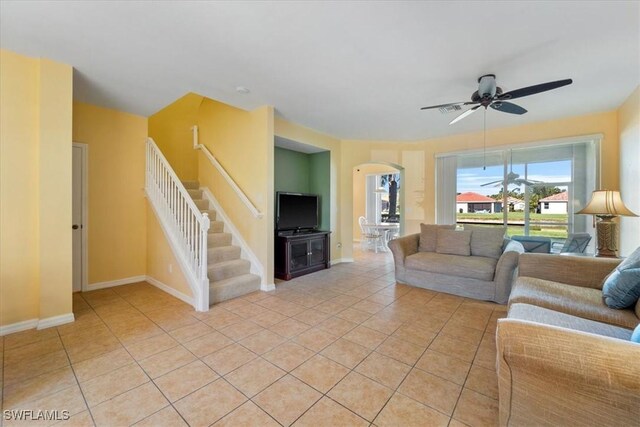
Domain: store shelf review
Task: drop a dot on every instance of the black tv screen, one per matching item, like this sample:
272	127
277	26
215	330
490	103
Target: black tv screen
296	211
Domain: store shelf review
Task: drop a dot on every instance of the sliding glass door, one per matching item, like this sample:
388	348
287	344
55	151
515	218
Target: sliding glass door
534	190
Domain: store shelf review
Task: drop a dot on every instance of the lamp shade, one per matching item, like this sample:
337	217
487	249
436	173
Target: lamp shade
606	203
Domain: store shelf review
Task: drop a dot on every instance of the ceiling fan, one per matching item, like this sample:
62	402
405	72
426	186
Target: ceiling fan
512	178
490	95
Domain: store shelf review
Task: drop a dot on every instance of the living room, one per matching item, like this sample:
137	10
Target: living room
351	84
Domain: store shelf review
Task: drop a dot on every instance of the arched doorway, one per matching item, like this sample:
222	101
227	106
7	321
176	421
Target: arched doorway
374	185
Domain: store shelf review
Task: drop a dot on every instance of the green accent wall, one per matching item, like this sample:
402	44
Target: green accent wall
305	173
320	183
291	171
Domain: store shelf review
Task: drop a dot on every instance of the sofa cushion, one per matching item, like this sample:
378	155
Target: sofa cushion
621	289
574	300
453	242
480	268
429	236
486	241
536	314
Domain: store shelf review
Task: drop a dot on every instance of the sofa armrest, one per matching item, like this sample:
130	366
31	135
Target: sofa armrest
506	270
402	247
555	376
588	272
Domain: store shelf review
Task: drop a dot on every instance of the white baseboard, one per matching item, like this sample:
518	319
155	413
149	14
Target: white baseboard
55	321
118	282
341	260
36	324
135	279
171	291
18	326
268	287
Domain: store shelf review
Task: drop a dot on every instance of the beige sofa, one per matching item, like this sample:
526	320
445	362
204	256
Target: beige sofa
478	277
564	357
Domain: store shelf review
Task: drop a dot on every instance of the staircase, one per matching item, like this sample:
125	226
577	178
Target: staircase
229	274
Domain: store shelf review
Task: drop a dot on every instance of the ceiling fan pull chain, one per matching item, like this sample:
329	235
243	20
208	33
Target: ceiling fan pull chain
484	143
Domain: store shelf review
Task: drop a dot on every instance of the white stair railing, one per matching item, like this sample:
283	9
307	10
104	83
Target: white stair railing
186	227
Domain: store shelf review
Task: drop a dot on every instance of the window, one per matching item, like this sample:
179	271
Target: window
533	190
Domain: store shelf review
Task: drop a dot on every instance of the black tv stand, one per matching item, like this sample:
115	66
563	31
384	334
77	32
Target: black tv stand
300	252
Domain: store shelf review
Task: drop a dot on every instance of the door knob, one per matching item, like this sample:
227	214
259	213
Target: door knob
75	226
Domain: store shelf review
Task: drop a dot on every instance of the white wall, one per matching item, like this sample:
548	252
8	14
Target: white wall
554	208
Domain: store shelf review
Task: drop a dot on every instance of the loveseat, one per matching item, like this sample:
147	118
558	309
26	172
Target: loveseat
477	262
563	356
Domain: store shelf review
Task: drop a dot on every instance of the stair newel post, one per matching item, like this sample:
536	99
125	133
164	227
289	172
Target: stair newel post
204	232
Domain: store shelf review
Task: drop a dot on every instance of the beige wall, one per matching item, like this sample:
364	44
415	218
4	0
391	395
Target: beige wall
242	141
629	128
35	188
418	160
171	127
360	173
162	264
308	136
117	217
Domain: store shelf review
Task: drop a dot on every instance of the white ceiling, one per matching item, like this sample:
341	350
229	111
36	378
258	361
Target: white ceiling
349	69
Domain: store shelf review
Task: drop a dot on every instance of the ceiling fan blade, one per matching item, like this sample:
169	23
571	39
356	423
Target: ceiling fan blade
465	114
492	183
532	90
446	105
508	107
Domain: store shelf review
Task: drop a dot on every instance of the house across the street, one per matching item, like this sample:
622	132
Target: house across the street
556	204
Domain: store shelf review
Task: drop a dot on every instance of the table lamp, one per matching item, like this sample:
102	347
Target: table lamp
606	205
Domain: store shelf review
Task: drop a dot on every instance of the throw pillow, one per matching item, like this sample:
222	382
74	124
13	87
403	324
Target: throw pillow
453	242
635	336
486	241
622	287
429	236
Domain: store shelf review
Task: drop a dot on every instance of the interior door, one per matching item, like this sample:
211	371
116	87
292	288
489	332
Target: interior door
77	217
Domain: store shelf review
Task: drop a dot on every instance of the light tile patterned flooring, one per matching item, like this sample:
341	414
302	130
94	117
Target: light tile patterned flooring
341	347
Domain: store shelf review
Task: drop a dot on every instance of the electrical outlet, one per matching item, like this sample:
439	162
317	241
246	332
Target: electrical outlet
170	268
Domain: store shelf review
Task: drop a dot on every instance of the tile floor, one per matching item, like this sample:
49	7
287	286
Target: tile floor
341	347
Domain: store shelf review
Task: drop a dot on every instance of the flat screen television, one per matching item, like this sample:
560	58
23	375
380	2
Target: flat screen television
297	211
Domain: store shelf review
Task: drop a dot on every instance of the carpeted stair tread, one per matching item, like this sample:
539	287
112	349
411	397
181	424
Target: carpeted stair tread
216	227
227	269
223	253
195	194
218	239
191	185
233	287
201	204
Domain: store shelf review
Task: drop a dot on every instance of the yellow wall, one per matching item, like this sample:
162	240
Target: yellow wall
160	258
242	141
629	128
360	173
35	188
418	159
170	128
308	136
117	208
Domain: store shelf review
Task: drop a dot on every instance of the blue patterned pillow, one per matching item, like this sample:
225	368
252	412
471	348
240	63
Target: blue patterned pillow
635	337
622	287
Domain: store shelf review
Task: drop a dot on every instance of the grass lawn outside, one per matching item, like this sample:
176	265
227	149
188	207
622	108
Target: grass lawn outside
516	223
